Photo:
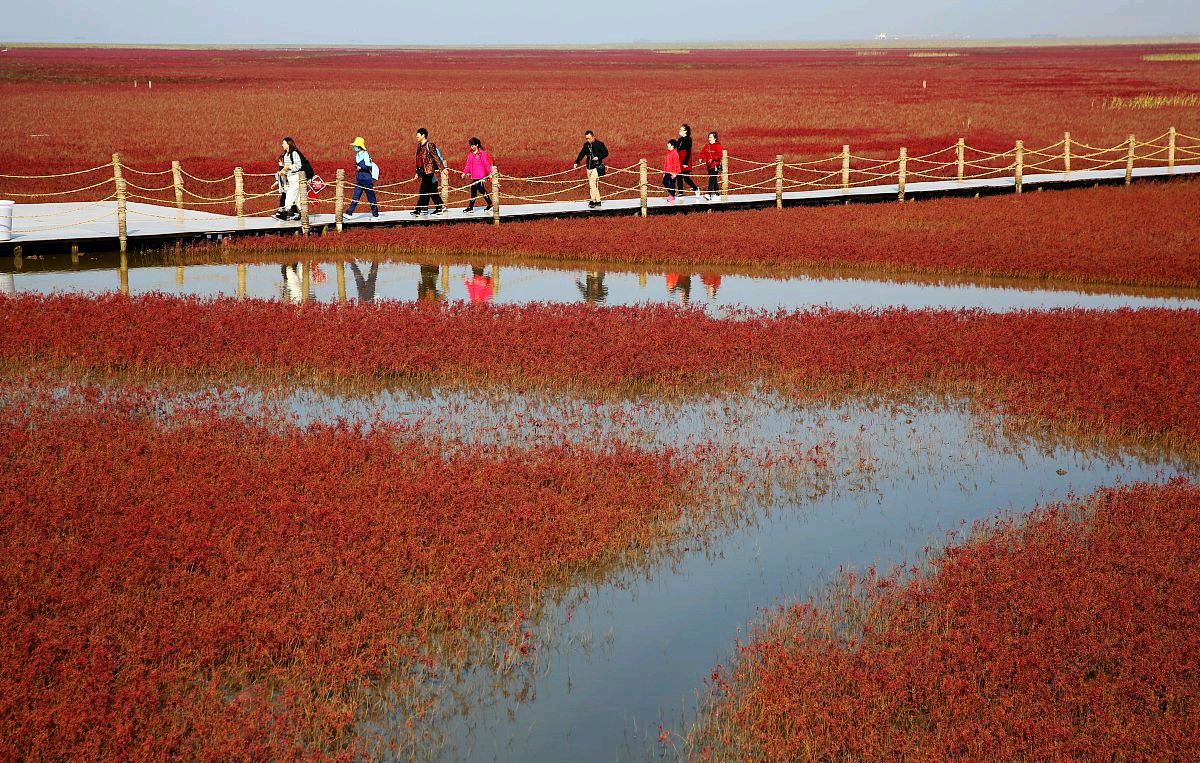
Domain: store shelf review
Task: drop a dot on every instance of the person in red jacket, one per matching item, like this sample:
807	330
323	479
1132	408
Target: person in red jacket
712	156
672	171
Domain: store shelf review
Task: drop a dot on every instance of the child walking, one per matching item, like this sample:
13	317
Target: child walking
672	171
478	168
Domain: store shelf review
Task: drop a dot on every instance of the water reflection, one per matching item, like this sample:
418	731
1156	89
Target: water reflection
479	281
592	288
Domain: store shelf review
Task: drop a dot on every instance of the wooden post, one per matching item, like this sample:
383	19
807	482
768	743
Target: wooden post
1171	151
122	224
339	201
1067	153
495	195
845	167
1129	160
1019	164
177	181
902	173
643	191
239	192
961	151
779	181
341	278
241	287
302	198
724	174
445	181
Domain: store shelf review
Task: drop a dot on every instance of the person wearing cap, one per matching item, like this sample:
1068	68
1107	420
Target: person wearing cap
365	174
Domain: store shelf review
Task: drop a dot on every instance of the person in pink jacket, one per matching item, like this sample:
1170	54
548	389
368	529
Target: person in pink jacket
672	169
478	169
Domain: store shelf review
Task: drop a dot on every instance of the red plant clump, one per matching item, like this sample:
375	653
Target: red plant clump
1069	635
1143	235
217	109
216	588
1122	373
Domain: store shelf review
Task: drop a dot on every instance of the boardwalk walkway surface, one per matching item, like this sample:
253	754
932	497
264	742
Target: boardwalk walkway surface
96	223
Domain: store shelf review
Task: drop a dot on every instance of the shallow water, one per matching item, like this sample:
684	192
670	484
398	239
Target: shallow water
513	284
616	659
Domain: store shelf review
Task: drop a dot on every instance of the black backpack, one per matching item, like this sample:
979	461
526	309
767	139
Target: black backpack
306	166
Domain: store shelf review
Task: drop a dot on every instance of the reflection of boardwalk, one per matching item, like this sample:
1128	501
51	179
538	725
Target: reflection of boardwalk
64	223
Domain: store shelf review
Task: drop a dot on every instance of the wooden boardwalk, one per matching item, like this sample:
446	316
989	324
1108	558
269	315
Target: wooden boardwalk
59	226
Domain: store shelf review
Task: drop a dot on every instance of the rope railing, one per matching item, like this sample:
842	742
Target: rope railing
845	170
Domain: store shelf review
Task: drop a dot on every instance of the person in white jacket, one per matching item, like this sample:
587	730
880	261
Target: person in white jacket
290	176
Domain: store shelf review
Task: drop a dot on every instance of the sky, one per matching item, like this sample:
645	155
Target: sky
551	22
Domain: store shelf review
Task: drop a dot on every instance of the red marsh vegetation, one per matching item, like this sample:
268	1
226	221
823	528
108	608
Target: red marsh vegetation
207	587
1122	374
1065	635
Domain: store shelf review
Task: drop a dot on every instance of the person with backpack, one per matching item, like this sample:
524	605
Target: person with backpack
685	158
593	154
429	166
478	168
366	172
289	175
672	171
712	156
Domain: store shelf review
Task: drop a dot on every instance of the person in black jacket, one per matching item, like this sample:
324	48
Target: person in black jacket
685	158
593	155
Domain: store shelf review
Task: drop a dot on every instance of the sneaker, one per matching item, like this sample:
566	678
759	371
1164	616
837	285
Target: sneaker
591	205
295	217
415	213
697	193
469	211
488	208
598	205
280	216
347	215
374	215
670	199
438	210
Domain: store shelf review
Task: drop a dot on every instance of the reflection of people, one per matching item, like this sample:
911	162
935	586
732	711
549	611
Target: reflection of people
365	286
680	284
593	290
479	286
712	282
427	289
292	288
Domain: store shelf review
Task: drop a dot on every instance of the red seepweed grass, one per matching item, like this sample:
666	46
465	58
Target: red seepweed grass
1123	374
190	585
1143	235
1067	635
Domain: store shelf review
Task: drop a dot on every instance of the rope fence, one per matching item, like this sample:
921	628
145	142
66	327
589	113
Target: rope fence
846	170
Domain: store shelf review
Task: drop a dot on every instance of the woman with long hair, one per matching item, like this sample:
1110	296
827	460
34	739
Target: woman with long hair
685	158
289	176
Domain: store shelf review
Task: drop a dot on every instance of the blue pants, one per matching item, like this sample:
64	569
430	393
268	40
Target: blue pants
361	187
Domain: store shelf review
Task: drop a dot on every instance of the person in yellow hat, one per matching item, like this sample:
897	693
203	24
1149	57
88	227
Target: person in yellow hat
366	172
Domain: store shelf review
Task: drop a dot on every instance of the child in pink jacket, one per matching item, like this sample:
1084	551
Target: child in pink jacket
478	169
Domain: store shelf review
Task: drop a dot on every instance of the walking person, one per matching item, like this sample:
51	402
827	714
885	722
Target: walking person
429	165
289	176
685	158
712	156
593	154
672	171
478	168
366	172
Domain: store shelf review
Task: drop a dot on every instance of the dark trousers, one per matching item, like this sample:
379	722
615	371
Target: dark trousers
361	187
686	177
477	189
713	175
428	192
673	183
